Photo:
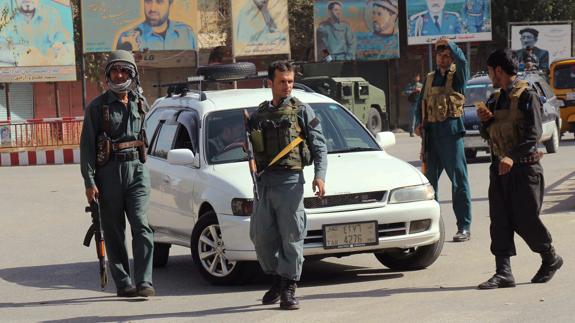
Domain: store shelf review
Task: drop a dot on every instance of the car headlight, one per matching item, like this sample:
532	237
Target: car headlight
242	207
412	194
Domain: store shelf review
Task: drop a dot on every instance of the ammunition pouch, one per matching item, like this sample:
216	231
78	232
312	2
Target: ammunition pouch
442	102
103	149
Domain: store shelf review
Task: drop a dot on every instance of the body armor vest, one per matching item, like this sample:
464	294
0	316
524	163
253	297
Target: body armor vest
507	125
275	128
442	102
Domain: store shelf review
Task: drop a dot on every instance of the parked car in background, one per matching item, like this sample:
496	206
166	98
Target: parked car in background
562	74
480	88
202	197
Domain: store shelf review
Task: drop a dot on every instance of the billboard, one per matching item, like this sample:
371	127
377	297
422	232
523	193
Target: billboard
260	27
356	30
36	41
139	25
459	20
548	42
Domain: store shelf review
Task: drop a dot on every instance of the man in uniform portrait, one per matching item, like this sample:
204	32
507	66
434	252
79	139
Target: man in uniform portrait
258	22
336	35
158	31
474	14
435	21
529	37
36	36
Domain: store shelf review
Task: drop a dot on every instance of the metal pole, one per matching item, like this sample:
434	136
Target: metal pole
83	65
7	91
430	54
469	56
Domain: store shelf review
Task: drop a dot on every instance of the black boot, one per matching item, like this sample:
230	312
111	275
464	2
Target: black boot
272	296
550	263
288	300
503	277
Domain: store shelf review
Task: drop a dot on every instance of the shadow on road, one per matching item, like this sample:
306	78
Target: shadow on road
560	196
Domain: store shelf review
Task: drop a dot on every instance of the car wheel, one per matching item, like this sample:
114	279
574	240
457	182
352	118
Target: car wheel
208	253
374	123
413	258
470	154
161	254
227	71
552	145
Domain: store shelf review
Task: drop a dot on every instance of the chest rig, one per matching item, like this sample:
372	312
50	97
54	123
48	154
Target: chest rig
442	102
507	126
275	128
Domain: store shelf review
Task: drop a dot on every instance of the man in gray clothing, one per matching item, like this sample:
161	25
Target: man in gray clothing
278	225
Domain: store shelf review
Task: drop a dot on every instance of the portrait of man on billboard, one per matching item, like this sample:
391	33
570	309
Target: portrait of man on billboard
36	35
474	15
336	35
529	53
435	21
256	23
158	31
382	40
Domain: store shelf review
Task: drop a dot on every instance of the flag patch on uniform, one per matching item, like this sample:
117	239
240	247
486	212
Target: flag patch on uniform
314	123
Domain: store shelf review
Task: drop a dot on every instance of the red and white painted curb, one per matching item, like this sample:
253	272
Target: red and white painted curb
41	157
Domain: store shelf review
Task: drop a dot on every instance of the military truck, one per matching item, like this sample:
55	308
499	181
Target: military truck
341	82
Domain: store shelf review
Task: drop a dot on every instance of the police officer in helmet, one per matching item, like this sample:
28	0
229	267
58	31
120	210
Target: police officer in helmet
511	122
278	225
112	153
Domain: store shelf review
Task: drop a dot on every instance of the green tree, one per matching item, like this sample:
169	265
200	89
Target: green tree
301	28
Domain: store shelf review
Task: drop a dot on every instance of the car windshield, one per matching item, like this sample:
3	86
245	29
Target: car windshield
477	93
343	133
564	77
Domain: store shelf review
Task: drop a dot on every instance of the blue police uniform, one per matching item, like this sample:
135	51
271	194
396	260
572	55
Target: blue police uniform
445	145
178	36
278	224
423	24
338	38
473	15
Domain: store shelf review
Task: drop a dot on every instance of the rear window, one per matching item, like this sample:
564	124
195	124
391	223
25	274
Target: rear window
564	77
477	93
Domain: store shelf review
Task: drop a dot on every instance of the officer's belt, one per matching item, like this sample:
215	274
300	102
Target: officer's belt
531	158
124	157
284	152
127	144
475	14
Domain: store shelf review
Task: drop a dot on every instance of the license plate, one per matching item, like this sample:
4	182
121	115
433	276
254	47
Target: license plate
570	96
350	235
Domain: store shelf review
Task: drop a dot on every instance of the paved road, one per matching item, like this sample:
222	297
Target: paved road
47	275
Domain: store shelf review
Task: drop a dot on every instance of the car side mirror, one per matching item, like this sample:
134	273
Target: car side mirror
385	139
543	99
182	157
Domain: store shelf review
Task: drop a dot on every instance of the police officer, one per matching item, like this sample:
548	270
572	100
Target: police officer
435	21
336	35
158	32
474	14
278	225
511	123
111	157
442	103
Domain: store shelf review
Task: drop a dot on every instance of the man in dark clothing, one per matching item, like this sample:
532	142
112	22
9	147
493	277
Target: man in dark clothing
511	122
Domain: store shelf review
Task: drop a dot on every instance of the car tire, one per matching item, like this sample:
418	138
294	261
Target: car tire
161	254
552	145
374	122
227	71
413	258
470	154
211	262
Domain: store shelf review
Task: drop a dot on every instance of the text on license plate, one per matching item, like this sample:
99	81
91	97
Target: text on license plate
570	96
350	235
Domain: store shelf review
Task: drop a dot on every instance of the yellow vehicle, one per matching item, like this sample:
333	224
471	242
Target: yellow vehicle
562	74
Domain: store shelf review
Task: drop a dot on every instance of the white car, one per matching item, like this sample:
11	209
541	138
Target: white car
203	199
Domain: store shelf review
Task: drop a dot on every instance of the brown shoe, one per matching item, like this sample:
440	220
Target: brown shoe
145	289
129	291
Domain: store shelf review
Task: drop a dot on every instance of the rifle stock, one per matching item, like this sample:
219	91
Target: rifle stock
423	150
250	151
96	231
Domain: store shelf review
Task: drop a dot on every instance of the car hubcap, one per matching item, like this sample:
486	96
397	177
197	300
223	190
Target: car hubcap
211	251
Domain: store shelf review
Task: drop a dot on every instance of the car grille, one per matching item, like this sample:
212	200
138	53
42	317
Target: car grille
384	230
343	199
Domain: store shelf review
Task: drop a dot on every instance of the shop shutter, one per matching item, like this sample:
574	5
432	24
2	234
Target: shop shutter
3	109
21	96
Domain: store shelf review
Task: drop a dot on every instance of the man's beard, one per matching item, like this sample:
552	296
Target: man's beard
159	22
27	9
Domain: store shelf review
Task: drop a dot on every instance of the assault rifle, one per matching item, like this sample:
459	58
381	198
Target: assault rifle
250	151
423	150
96	231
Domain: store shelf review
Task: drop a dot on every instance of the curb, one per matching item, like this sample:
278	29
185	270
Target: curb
41	157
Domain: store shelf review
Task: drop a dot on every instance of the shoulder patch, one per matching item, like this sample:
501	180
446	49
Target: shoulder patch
314	123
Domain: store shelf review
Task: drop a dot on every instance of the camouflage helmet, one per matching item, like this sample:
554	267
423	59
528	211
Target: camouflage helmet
121	56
